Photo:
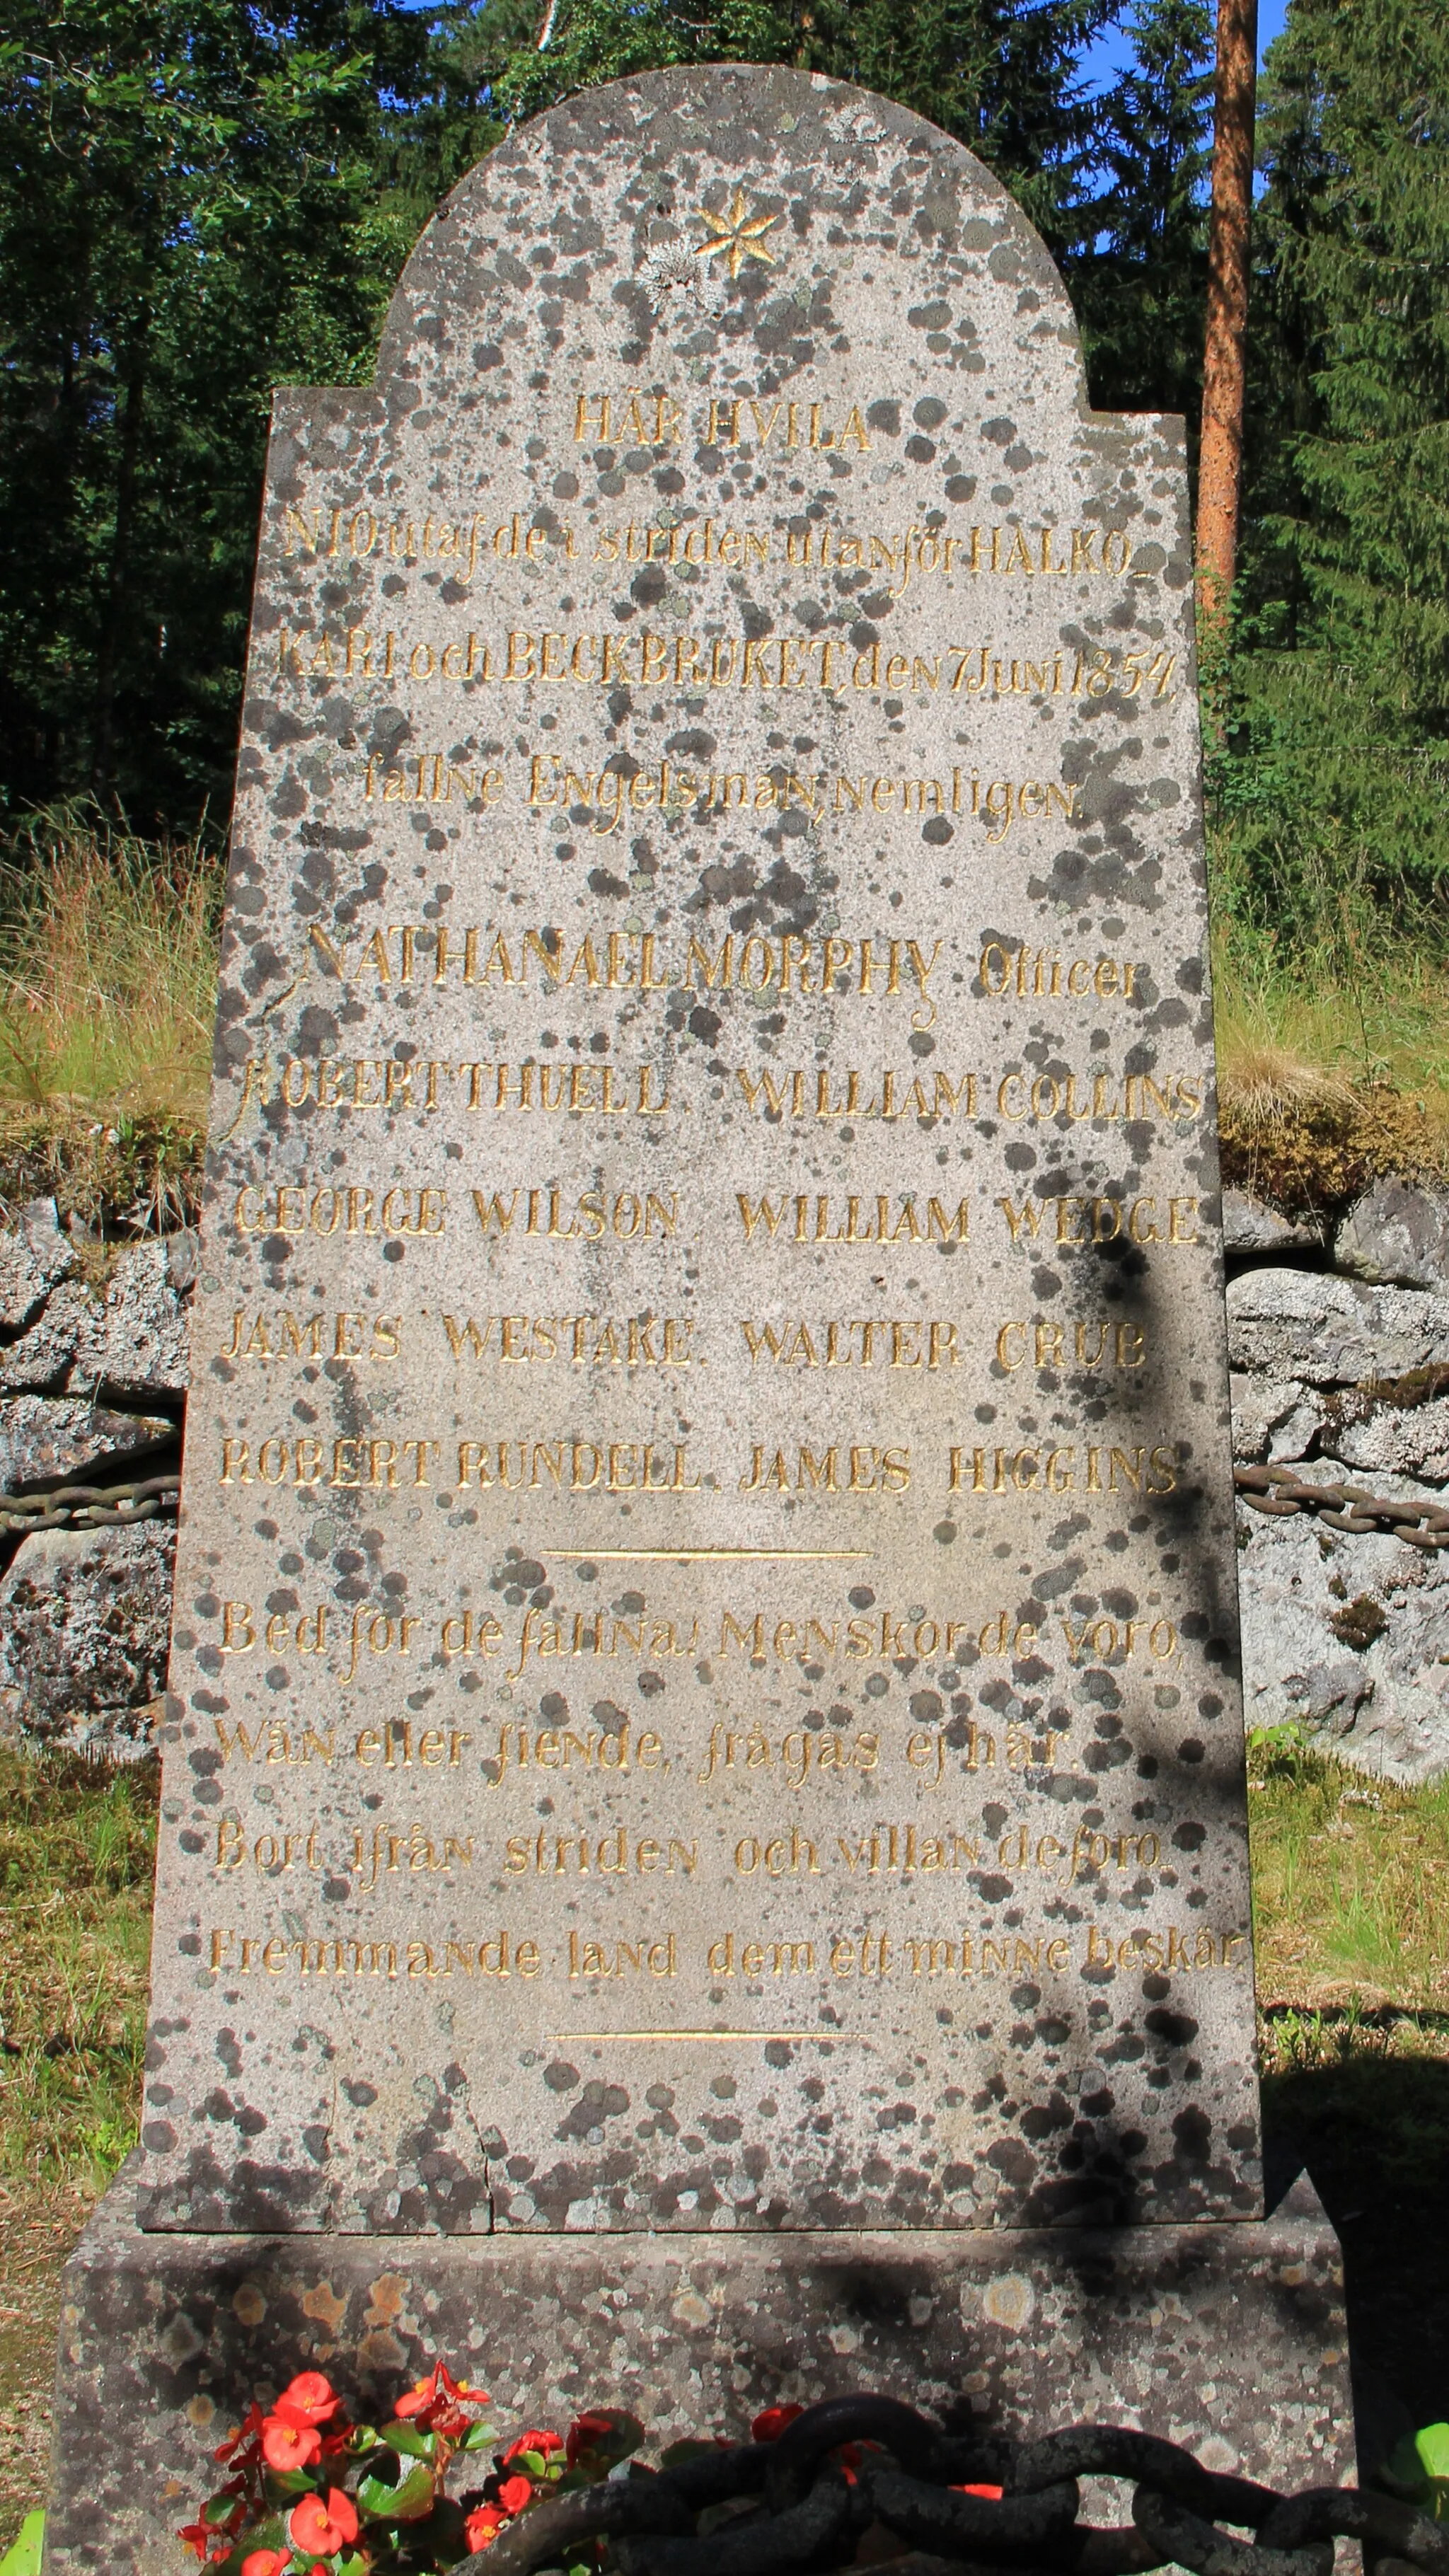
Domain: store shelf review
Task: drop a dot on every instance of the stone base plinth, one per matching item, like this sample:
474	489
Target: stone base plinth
1229	2338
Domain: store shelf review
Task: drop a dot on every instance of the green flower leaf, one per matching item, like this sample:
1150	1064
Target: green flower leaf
407	2501
477	2438
283	2486
614	2433
23	2556
679	2452
1432	2446
407	2438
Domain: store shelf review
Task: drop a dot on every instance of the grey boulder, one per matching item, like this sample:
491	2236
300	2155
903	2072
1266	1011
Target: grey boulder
1398	1231
1308	1593
132	1341
34	1256
1251	1226
42	1436
1324	1331
84	1619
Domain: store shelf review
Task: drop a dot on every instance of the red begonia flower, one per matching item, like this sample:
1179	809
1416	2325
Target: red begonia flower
584	2432
438	2398
514	2492
544	2444
197	2535
263	2562
323	2527
290	2446
769	2426
484	2525
307	2399
995	2493
248	2430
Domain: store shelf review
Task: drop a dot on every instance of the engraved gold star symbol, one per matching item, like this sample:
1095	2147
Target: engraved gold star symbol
736	234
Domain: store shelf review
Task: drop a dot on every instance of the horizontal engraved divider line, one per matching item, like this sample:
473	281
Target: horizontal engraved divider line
710	1555
557	2036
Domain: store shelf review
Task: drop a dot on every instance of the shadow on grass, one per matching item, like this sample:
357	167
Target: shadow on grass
1371	2126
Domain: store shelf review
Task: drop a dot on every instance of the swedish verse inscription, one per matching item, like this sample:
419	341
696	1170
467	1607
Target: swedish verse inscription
703	1688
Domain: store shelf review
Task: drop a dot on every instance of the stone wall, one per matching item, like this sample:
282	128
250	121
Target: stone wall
1339	1339
1338	1336
93	1371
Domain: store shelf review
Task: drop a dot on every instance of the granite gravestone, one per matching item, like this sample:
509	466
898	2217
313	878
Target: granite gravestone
703	1691
703	1669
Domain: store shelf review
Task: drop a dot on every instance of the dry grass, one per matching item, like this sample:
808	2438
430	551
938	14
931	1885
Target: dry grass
1350	1887
1326	1084
107	997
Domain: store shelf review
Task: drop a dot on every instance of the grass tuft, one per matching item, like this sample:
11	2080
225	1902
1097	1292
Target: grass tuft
1351	1884
77	1843
108	950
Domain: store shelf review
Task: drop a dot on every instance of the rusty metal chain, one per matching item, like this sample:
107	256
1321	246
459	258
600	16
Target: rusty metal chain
89	1506
1344	1507
960	2502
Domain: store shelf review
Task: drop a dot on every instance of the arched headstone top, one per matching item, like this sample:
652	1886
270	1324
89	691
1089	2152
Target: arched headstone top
767	220
705	1595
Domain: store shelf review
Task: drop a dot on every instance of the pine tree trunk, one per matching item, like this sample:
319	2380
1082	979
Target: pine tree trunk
1220	469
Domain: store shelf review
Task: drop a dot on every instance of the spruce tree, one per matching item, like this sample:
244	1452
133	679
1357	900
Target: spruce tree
1356	236
1138	282
1334	799
1003	76
189	213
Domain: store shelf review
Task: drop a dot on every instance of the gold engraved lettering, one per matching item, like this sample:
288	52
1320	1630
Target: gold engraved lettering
930	1755
580	1341
540	1466
581	1748
616	1958
1022	1096
732	1955
1113	1641
627	1215
280	1336
878	1218
1163	1953
1065	1469
500	1955
793	1758
840	1468
271	1854
1066	1221
820	1093
640	420
1101	1343
1042	974
357	1465
399	1745
862	1342
547	1854
305	1207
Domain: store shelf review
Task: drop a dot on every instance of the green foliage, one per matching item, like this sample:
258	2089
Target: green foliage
1331	786
202	198
23	2556
1001	75
1418	2469
188	214
1139	283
